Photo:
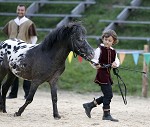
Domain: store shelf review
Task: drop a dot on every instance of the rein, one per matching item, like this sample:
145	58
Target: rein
128	69
120	82
116	72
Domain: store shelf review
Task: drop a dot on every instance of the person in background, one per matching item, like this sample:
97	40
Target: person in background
104	55
22	28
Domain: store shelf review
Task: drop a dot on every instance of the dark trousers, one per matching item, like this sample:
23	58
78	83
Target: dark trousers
15	85
107	96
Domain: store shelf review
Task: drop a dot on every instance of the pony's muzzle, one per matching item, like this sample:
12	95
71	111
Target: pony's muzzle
92	54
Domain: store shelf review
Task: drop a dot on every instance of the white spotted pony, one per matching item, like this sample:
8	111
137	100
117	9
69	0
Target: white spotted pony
40	63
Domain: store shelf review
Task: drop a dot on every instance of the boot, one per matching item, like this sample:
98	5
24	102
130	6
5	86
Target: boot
107	116
88	107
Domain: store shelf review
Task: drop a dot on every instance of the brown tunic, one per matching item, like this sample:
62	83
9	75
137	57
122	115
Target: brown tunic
107	56
23	32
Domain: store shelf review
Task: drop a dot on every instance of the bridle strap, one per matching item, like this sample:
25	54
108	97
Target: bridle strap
79	50
74	54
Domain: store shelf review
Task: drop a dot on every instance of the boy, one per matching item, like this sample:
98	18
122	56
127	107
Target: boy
104	54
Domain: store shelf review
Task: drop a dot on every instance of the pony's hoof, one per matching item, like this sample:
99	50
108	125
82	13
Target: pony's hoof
17	114
4	111
57	117
1	109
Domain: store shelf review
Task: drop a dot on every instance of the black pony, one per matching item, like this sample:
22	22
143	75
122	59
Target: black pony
41	62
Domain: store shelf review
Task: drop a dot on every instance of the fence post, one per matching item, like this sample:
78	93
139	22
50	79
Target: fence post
144	77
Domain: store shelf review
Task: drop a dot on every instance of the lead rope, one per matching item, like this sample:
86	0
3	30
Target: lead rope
116	71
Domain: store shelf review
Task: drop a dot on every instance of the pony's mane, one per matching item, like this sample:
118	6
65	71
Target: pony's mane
61	34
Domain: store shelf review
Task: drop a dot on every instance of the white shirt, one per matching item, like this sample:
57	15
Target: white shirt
20	21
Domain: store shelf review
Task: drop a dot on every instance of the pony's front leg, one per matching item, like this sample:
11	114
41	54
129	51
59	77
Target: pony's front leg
1	101
21	109
29	99
54	100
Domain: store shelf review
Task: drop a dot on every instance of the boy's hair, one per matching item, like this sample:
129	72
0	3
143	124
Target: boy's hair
108	33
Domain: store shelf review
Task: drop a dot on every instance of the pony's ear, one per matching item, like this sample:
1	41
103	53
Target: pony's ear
67	30
69	27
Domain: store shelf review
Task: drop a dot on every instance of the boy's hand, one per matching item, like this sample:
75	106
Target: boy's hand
95	65
114	65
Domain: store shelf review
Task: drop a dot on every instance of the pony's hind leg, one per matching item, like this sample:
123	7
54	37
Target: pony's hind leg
10	79
3	73
29	99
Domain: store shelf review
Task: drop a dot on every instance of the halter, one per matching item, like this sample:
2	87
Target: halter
79	50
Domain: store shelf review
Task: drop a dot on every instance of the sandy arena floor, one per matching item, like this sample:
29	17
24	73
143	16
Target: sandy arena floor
39	113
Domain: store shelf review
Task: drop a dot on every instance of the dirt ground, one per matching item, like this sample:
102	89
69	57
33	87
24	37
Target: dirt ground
39	113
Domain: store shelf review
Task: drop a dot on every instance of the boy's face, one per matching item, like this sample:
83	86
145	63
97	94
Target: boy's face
21	11
108	42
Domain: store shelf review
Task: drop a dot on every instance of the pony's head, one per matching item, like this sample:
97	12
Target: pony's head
72	38
79	44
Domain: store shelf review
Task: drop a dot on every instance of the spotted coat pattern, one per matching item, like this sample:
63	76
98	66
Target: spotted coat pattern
14	50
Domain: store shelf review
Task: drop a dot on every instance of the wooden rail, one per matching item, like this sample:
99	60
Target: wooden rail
80	8
123	38
98	37
48	2
132	7
124	14
125	22
42	15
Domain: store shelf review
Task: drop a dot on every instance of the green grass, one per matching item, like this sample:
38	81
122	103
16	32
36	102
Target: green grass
79	76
